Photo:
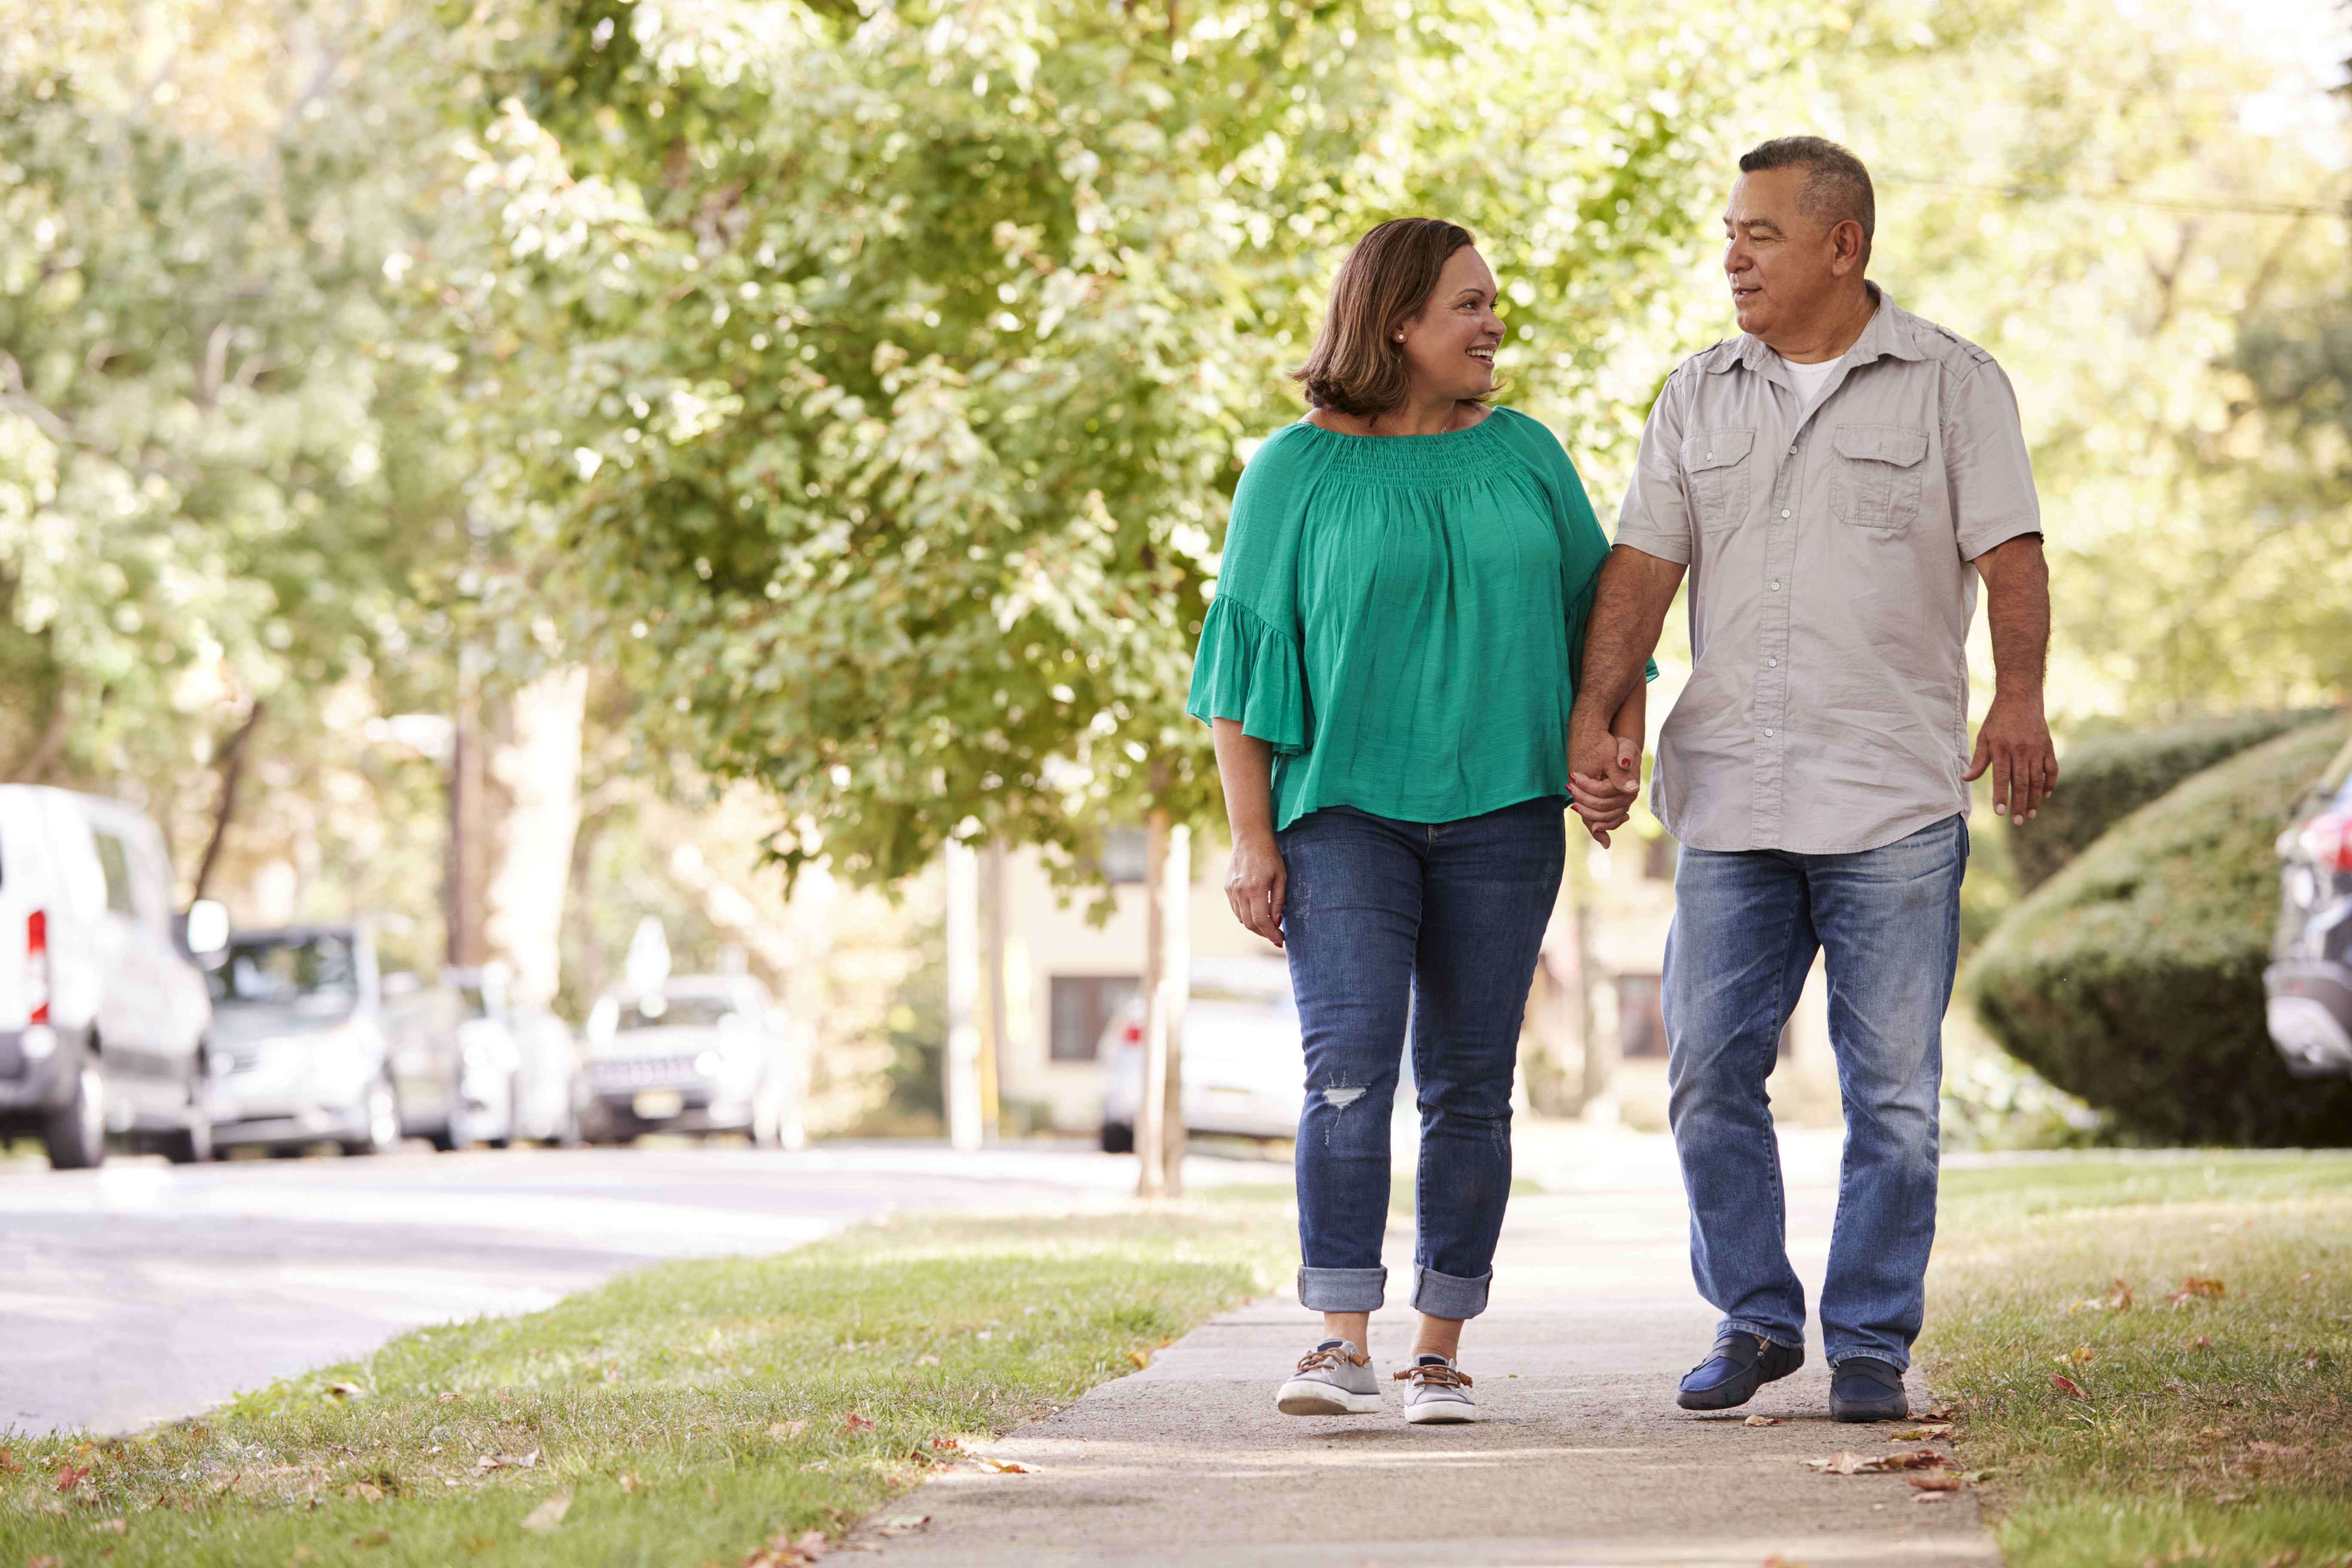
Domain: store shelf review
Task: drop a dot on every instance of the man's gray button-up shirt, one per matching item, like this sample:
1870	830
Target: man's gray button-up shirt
1833	717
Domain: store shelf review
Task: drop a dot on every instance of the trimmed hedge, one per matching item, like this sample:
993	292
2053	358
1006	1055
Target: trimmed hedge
2103	780
2134	977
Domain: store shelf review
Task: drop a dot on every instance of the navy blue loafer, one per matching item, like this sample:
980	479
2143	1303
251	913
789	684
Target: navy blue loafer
1864	1388
1739	1365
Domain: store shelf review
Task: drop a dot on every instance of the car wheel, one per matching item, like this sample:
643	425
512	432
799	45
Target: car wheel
76	1133
380	1119
192	1144
1118	1138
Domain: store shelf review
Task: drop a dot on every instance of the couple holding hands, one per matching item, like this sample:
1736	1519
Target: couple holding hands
1422	648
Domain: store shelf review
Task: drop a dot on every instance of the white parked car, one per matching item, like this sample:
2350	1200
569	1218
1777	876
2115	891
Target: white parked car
102	1009
1244	1068
523	1076
306	1050
697	1053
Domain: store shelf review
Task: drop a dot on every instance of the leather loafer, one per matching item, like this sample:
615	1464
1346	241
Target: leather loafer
1739	1365
1864	1388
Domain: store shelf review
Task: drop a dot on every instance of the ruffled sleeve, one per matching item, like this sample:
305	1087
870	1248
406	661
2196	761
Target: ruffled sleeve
1251	672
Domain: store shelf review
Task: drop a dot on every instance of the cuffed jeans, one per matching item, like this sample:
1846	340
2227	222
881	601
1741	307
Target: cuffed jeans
1441	920
1746	925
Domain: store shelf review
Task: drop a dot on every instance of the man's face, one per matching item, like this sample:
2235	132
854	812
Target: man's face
1783	263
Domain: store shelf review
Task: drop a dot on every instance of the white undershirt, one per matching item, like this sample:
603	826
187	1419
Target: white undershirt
1812	379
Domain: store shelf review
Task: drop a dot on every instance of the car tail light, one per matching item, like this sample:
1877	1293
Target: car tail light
1132	1036
2326	839
37	967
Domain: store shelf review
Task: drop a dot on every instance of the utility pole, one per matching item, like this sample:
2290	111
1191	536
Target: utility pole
960	1059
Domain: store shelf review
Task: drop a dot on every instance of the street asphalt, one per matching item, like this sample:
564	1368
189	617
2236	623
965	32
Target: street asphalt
1584	1461
143	1291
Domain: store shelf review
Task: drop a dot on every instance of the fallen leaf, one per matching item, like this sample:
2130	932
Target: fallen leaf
347	1390
111	1527
44	1562
2067	1387
1006	1466
364	1491
1138	1358
1931	1496
1935	1434
2287	1559
2305	1279
489	1462
1938	1411
379	1536
2192	1287
786	1428
630	1484
1847	1463
2311	1359
2119	1297
2202	1342
547	1517
902	1524
783	1553
448	1398
2080	1355
857	1422
1937	1482
1762	1421
8	1461
71	1476
927	1360
947	1445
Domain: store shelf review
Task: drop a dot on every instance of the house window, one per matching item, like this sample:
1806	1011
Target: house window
1082	1005
1126	856
1641	1017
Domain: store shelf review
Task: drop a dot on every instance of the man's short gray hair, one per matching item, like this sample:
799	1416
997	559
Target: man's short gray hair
1837	186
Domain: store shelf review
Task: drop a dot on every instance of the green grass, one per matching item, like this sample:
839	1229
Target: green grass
2216	1429
689	1412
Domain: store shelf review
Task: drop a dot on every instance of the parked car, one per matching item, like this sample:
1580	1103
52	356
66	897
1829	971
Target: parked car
705	1053
1244	1070
2309	986
522	1075
102	1009
311	1043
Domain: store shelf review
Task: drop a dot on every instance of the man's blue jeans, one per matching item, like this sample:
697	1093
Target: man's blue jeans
1746	925
1443	919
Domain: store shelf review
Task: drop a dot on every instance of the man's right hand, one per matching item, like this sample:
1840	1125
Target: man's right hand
1255	881
1604	777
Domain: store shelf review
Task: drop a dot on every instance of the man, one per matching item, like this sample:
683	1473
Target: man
1834	480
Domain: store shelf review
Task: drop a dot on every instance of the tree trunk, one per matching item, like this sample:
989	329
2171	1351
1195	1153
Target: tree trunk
1596	1097
232	769
514	812
1160	1119
960	1060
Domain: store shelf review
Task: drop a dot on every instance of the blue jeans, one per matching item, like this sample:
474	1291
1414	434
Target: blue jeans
1443	920
1746	927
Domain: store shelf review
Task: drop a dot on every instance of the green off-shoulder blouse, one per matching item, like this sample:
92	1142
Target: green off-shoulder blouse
1402	618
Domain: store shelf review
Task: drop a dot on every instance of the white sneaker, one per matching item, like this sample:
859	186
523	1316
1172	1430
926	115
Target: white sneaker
1440	1393
1334	1378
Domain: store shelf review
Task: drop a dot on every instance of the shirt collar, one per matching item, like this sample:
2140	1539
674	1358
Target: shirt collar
1887	335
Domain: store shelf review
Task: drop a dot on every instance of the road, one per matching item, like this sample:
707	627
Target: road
143	1291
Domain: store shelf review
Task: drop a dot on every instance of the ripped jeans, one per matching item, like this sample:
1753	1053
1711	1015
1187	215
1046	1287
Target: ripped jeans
1442	920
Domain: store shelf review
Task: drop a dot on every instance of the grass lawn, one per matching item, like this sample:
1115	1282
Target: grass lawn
2201	1308
692	1413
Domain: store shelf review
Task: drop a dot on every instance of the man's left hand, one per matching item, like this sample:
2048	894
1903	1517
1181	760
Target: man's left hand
2013	745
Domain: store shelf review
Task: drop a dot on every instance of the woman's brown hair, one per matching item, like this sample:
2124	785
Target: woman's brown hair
1356	366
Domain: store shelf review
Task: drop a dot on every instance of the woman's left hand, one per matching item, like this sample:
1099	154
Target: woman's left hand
1605	804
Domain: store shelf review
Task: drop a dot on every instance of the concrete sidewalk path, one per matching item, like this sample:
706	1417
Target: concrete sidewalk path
1583	1459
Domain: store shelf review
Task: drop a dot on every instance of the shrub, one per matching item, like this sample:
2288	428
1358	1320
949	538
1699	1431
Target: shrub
2105	779
2134	977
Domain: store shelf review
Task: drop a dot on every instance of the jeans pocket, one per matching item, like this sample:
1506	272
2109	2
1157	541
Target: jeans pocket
1876	480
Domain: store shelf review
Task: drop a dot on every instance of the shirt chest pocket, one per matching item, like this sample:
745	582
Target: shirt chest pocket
1716	470
1876	480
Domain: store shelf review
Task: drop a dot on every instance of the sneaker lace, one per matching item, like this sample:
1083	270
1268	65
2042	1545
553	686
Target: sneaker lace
1330	1359
1436	1375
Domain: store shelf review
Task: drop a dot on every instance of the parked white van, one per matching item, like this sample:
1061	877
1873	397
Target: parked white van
102	1010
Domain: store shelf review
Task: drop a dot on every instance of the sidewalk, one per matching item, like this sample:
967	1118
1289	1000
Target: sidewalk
1583	1460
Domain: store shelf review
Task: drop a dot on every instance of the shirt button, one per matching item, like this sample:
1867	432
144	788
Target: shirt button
1768	734
1710	457
1792	451
1776	587
1784	511
1772	663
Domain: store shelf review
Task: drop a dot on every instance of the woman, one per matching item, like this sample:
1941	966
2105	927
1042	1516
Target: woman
1389	666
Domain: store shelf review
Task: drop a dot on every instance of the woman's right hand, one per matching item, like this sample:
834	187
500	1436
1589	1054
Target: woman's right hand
1254	881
